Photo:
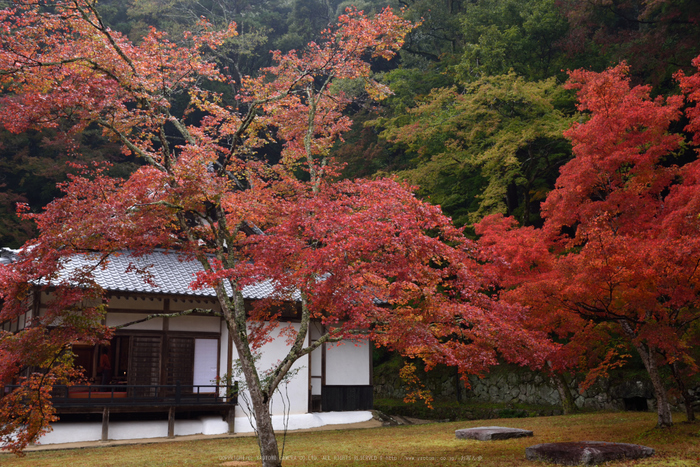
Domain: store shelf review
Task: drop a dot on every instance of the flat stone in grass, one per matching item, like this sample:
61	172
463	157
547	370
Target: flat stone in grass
488	433
586	452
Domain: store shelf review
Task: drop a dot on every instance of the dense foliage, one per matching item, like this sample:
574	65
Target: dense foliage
459	42
619	247
475	114
366	258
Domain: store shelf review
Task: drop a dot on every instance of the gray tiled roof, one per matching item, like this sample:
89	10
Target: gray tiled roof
7	255
170	273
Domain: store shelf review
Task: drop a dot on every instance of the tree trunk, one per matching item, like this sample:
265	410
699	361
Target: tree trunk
687	398
269	451
663	409
458	386
567	399
235	319
562	385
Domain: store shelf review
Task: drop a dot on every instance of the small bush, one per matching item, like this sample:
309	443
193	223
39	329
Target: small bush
450	410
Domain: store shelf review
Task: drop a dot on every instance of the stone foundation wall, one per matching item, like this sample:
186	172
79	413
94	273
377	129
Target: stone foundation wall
512	385
531	388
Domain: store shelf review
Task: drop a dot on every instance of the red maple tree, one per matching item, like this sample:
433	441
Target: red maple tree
619	247
366	258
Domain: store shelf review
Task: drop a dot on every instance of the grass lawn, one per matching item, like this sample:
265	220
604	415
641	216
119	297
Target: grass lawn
418	445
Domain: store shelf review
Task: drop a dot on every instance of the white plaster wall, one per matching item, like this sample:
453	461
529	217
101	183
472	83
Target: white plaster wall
195	323
140	429
136	303
92	431
297	390
213	425
316	364
72	433
223	353
316	329
205	363
207	425
115	319
45	298
305	421
180	304
348	363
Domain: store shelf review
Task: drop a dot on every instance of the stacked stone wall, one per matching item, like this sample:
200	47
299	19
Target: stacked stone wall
514	385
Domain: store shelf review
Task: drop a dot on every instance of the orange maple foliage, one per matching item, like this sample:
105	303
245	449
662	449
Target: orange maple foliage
620	245
367	259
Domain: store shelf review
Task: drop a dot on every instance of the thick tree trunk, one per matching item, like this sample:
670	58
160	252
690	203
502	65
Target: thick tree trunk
260	394
458	386
269	451
567	399
235	319
687	398
562	385
663	409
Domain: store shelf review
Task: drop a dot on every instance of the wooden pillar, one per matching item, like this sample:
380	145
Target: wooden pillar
105	424
171	422
231	419
164	350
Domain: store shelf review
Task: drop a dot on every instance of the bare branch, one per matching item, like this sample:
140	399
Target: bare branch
129	144
169	315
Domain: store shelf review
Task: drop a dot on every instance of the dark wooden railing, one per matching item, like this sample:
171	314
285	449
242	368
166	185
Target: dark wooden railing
122	395
143	395
127	398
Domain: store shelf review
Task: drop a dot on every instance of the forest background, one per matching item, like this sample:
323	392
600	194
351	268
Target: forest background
478	110
478	105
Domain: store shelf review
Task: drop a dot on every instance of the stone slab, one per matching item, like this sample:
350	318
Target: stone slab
586	452
491	433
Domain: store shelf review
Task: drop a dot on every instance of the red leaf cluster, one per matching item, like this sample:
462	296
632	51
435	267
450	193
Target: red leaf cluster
366	258
619	248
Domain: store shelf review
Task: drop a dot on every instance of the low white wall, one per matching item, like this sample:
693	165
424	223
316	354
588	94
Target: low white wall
305	421
92	431
73	432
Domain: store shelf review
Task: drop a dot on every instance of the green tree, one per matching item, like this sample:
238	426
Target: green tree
439	35
498	139
305	21
259	23
522	35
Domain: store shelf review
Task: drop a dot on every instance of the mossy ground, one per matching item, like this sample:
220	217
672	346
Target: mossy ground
415	445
